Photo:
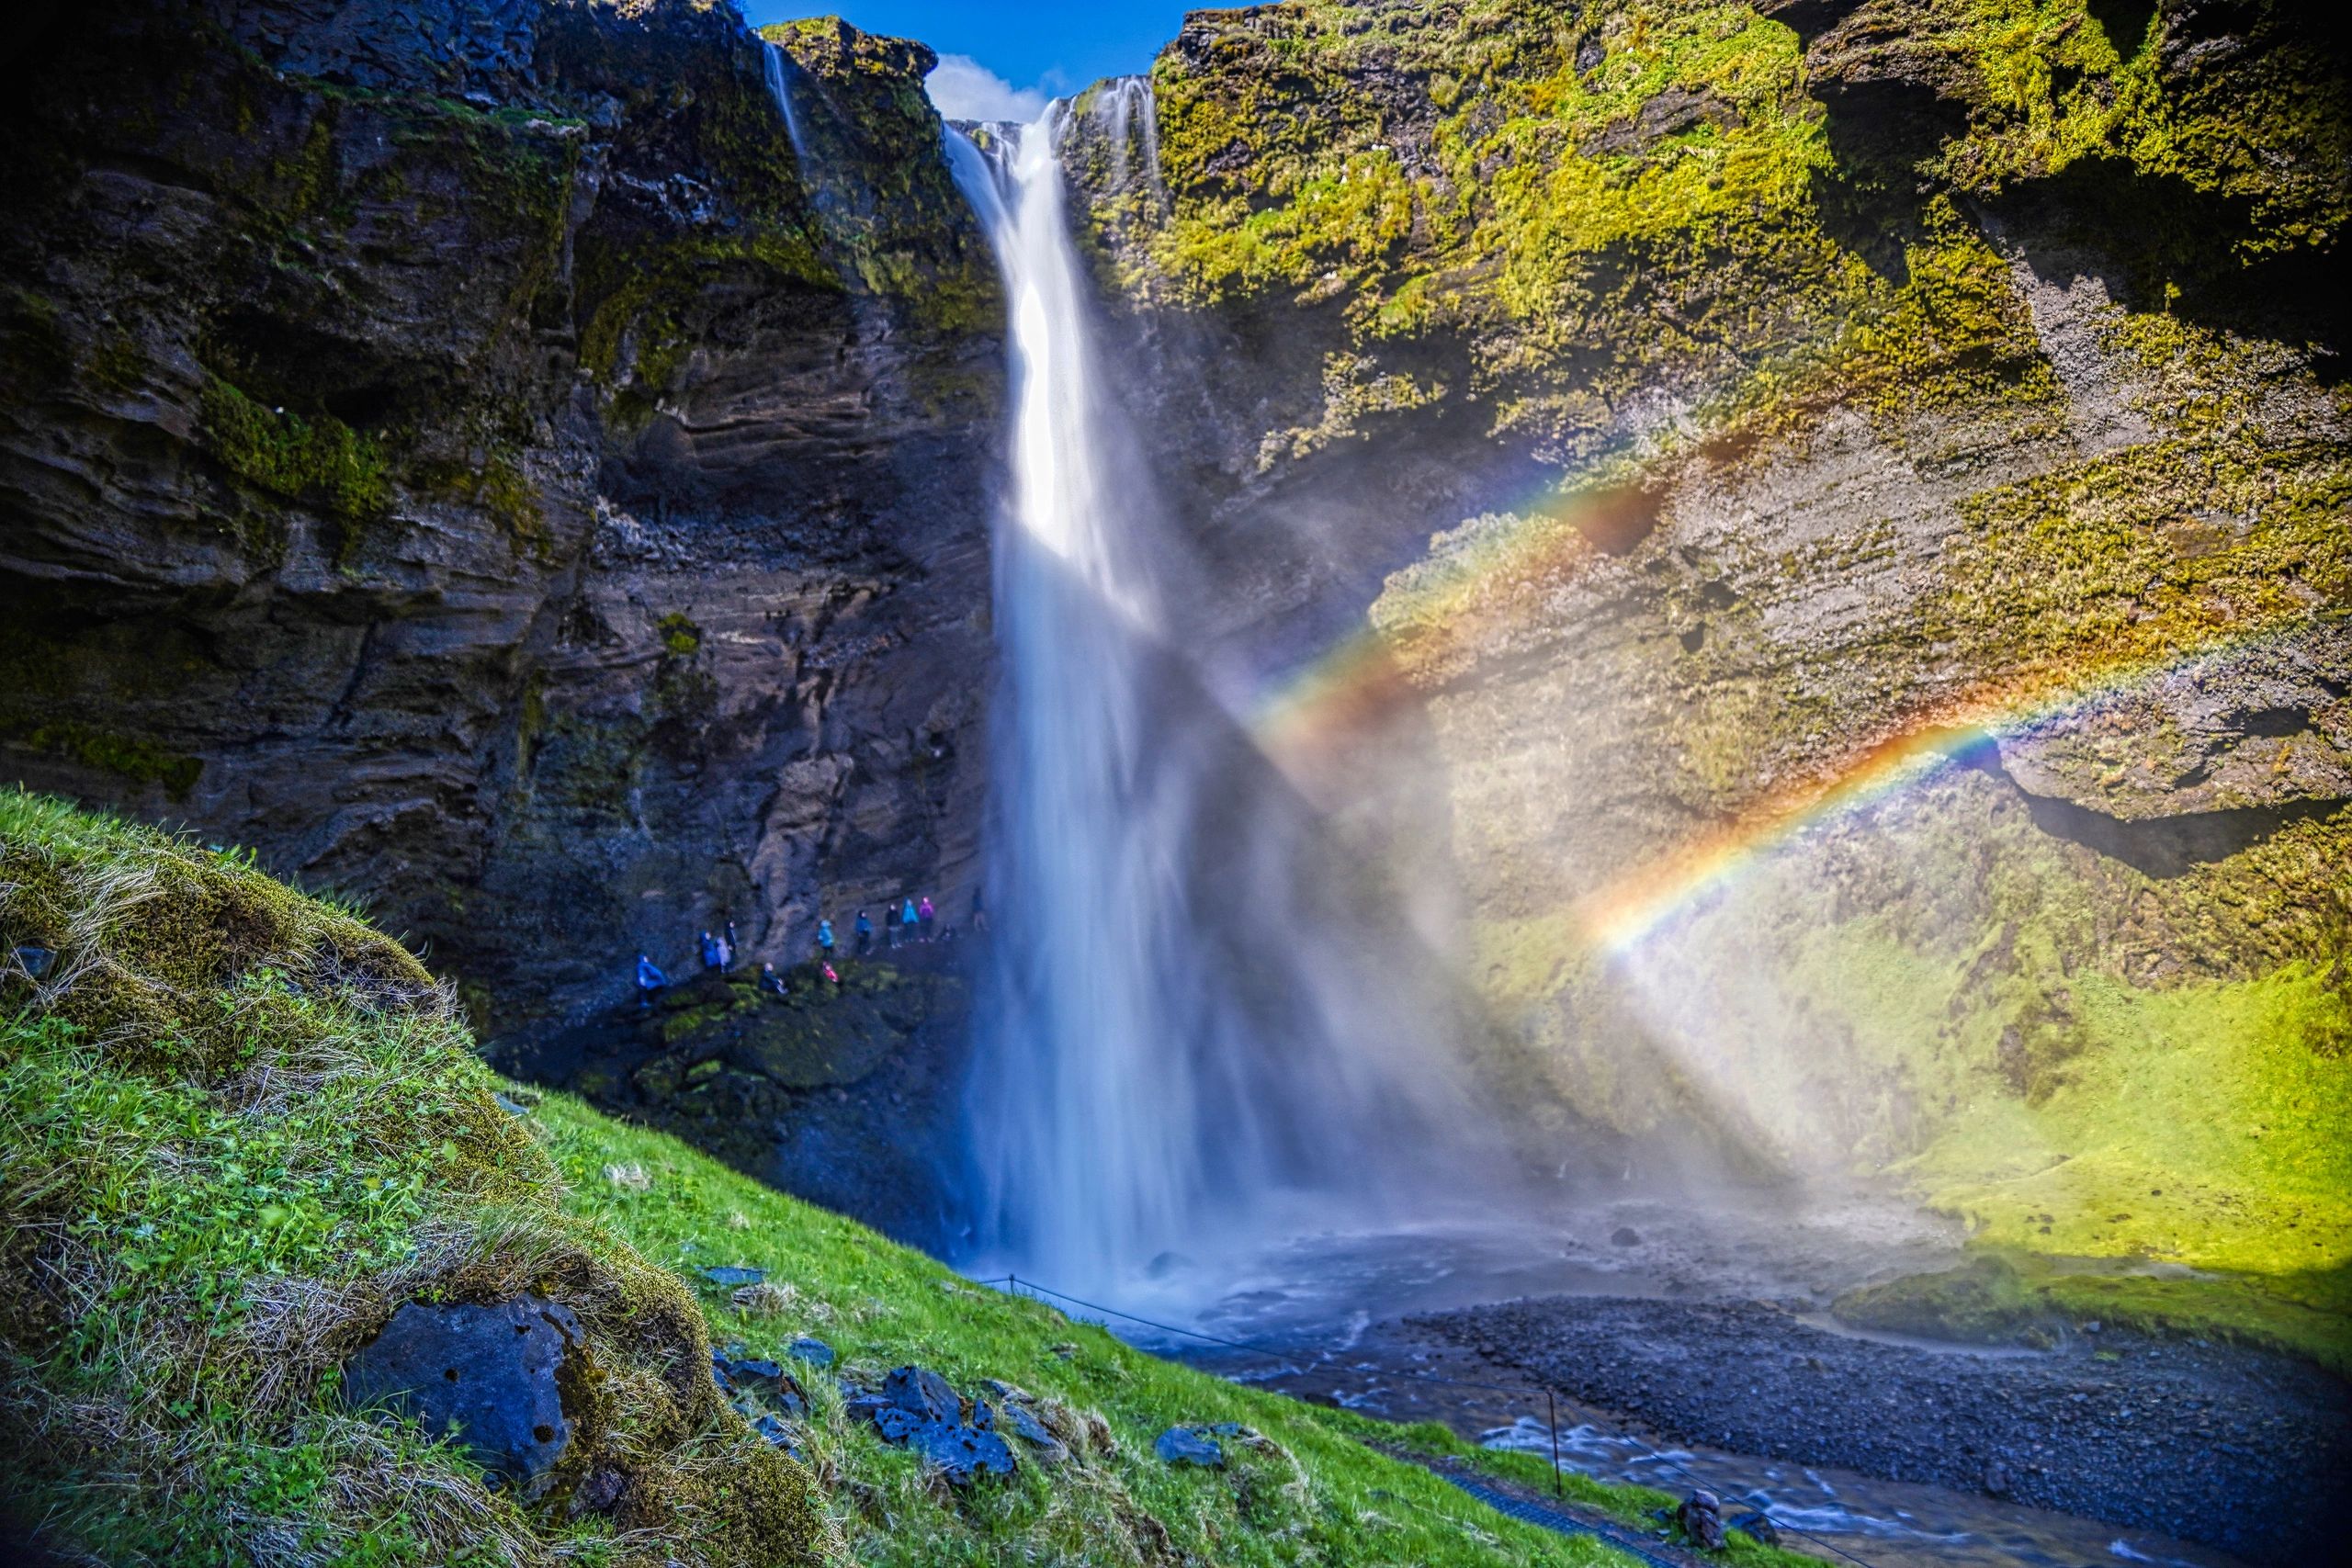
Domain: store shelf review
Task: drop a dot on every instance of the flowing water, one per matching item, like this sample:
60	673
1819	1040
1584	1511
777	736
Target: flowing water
778	69
1147	1131
1148	1074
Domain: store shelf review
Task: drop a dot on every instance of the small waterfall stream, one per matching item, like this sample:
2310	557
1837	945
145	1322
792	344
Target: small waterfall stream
1128	1101
780	88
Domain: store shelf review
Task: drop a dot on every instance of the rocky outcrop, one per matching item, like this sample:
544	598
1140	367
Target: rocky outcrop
459	451
842	1093
1853	523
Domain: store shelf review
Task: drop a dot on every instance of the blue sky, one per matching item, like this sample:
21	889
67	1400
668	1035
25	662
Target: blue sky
1052	46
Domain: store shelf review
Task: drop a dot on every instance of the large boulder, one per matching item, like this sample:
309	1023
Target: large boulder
488	1377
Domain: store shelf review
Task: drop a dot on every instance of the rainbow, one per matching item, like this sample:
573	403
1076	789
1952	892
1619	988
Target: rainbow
1448	609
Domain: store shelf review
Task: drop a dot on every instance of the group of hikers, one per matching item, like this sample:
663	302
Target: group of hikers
914	921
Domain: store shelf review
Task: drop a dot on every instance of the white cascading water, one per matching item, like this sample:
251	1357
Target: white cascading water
780	89
1128	1100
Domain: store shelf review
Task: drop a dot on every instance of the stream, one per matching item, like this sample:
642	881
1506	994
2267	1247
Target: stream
1406	1324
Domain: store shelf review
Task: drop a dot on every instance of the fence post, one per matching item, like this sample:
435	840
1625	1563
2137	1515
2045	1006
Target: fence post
1552	1405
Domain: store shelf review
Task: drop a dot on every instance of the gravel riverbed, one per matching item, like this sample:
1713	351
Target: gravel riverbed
2242	1450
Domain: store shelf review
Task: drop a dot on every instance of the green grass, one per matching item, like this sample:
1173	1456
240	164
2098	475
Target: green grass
1325	1497
238	1129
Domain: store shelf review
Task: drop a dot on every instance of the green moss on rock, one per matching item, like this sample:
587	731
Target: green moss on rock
320	461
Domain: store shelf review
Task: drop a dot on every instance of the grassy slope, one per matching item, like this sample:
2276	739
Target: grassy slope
1327	1499
237	1128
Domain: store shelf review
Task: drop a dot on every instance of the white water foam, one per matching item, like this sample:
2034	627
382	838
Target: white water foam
1129	1100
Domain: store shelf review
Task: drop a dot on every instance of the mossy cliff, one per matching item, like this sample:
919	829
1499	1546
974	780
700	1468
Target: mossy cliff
1851	502
463	451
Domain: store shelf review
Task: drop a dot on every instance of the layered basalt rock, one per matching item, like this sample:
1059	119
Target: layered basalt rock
1851	501
455	450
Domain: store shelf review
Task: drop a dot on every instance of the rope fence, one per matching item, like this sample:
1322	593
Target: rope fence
1015	1285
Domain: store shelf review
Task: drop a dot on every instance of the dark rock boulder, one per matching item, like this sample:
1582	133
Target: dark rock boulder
918	1409
962	1454
922	1394
1702	1519
1189	1445
488	1377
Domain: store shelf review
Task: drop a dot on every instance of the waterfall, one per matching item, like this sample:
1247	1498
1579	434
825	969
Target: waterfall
780	89
1122	109
1148	1077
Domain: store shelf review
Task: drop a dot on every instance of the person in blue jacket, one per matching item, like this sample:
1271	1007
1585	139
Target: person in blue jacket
714	955
864	929
824	940
908	920
650	981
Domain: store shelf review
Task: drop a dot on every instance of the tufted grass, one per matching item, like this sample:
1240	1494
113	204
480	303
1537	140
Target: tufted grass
238	1128
1318	1493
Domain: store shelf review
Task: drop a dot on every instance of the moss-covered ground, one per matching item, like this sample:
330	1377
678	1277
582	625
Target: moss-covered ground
238	1128
1936	993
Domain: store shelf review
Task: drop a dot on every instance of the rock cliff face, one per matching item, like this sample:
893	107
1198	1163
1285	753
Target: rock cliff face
1805	541
461	451
1851	502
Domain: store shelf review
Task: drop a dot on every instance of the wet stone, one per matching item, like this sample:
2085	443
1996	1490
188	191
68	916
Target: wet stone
1186	1444
1702	1520
963	1454
1050	1449
1758	1527
918	1409
1625	1235
727	1276
816	1352
921	1392
486	1376
600	1491
778	1436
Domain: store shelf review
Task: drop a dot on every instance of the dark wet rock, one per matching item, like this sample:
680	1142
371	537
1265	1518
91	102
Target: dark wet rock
918	1410
963	1454
729	1276
1625	1235
1670	113
778	1435
546	670
2239	1449
1023	1425
1702	1519
600	1491
511	1106
1996	1479
755	1379
1188	1445
1757	1528
487	1376
816	1352
35	962
918	1391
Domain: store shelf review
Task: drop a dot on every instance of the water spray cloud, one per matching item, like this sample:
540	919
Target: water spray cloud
1493	577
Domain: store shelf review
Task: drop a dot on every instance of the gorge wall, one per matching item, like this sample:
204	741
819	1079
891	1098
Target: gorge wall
459	451
1803	543
1851	502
